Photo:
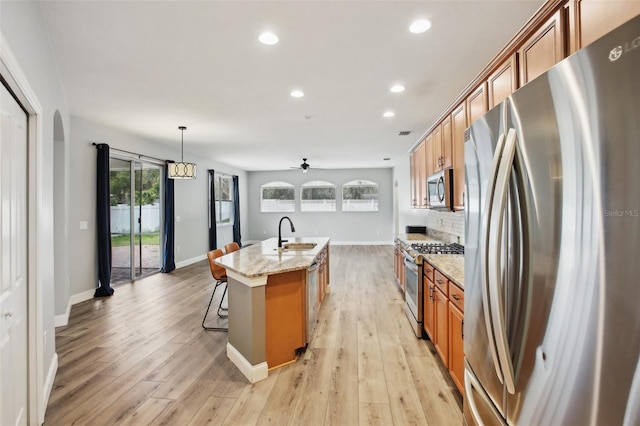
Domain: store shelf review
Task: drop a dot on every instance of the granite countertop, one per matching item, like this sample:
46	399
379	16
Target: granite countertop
263	258
451	265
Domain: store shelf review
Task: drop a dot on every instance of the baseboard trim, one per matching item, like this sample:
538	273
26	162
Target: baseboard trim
253	373
63	319
190	261
48	385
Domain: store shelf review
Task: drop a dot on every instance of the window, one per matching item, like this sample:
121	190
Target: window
223	192
360	196
277	197
318	196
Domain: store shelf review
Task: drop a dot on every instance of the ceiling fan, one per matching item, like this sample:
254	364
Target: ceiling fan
304	166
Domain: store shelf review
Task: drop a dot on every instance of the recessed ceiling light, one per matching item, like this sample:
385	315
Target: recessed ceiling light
397	88
268	38
309	117
386	159
297	93
388	114
419	26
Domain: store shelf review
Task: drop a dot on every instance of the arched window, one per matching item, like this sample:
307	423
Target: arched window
318	196
360	196
277	197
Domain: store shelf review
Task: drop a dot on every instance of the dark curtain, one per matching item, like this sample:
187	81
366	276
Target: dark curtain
236	211
168	260
213	232
103	210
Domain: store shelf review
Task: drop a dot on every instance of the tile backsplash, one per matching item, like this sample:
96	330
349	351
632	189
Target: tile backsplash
446	225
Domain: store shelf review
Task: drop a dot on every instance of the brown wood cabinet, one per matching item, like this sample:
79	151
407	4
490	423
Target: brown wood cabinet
443	320
434	143
441	315
428	302
413	173
398	266
598	17
447	144
543	49
477	103
418	171
285	317
456	345
458	127
503	81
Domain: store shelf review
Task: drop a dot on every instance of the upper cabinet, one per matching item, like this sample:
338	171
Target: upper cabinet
503	81
418	170
459	125
598	17
442	146
543	49
477	103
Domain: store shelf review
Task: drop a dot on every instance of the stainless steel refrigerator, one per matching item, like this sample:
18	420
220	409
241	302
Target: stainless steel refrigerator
552	251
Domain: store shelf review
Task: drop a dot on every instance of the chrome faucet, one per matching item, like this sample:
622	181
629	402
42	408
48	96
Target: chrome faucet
293	229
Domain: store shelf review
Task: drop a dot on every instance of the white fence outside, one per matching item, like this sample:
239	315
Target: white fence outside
270	205
360	205
121	222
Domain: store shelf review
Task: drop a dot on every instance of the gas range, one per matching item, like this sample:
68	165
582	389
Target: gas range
438	248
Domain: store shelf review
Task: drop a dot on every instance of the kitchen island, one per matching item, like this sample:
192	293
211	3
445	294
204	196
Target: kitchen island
268	293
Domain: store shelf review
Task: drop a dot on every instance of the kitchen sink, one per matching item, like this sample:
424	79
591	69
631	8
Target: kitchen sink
299	246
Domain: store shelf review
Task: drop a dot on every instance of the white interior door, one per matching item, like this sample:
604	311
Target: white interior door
13	261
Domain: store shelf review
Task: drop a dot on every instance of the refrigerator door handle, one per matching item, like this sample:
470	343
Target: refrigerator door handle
494	270
471	382
486	226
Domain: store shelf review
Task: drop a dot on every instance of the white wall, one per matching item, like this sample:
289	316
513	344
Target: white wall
22	28
190	199
341	227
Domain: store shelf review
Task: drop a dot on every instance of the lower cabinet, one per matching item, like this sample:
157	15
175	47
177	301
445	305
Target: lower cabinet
443	304
441	314
398	265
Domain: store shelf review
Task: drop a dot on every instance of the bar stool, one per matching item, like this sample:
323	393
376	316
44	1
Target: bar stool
231	247
220	275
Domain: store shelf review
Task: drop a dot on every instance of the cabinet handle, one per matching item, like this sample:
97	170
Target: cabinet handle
462	329
440	282
455	296
431	292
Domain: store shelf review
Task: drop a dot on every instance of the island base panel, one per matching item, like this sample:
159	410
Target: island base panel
285	317
246	320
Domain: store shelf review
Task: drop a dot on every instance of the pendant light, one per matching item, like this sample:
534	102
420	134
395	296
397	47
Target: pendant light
182	170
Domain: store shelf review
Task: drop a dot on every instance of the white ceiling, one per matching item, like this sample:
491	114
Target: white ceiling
146	67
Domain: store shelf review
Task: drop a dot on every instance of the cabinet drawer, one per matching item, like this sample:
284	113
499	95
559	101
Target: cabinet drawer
456	296
427	270
441	282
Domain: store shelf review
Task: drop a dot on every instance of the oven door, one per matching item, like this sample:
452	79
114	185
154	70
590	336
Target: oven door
413	294
440	190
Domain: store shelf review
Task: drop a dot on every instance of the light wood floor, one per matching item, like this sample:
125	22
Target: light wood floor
141	357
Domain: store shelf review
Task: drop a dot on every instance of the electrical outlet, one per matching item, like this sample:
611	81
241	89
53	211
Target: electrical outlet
378	232
264	232
178	249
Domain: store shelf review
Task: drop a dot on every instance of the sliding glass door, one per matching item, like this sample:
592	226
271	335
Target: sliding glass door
136	219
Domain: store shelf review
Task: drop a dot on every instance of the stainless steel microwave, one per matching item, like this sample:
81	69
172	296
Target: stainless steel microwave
440	190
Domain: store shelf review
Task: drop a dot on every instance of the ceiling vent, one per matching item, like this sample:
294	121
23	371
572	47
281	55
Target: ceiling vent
404	133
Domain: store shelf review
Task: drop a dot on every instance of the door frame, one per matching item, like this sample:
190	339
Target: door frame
36	250
133	159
